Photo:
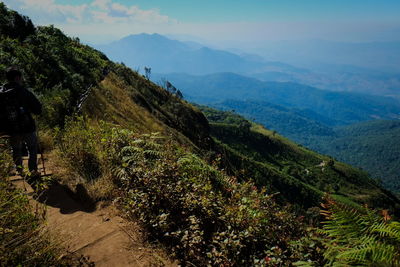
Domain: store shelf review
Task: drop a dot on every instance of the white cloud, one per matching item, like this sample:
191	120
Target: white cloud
98	11
103	21
102	4
97	21
48	11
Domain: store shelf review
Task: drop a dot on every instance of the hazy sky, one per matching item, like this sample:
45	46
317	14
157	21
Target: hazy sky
99	21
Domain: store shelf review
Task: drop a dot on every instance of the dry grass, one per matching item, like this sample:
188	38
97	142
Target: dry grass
113	102
102	188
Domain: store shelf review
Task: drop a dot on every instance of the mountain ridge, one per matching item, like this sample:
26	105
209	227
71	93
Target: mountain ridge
190	59
238	199
342	107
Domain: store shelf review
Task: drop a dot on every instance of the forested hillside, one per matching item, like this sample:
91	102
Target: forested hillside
373	146
291	169
221	193
340	108
310	117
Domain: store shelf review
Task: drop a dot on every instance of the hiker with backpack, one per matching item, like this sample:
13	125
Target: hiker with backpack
17	104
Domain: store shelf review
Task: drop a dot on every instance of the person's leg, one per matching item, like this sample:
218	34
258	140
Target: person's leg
32	145
16	142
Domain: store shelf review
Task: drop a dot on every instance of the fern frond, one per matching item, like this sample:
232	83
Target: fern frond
360	237
389	230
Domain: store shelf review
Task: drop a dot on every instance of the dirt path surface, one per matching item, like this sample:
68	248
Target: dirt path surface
99	234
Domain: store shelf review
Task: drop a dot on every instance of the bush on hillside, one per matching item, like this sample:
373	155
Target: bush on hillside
57	68
205	216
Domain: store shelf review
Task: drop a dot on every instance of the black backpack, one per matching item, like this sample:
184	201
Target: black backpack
13	116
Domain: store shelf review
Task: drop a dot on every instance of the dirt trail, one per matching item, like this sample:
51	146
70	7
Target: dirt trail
98	234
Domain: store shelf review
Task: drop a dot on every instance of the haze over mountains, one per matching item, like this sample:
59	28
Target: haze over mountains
165	55
210	187
337	108
325	65
325	55
336	85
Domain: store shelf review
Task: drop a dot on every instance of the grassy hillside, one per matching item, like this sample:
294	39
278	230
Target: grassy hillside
71	78
126	98
66	74
209	201
296	172
371	145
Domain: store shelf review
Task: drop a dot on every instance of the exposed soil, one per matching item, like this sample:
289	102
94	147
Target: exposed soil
95	232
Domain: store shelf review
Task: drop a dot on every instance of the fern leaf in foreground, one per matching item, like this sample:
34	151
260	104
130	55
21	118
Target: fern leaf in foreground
359	237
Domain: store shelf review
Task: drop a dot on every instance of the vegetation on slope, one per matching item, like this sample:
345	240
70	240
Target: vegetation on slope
370	145
23	242
207	218
128	99
57	68
373	146
360	237
64	73
299	174
203	214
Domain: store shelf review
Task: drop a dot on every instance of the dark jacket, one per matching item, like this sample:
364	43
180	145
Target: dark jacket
28	103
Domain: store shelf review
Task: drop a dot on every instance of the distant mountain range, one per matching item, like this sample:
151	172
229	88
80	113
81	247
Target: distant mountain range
333	108
343	125
286	98
165	55
327	55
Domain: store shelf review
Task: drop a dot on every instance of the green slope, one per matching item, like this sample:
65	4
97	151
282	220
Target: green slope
71	77
299	174
176	182
373	146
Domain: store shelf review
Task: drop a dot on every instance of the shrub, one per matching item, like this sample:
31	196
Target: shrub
203	215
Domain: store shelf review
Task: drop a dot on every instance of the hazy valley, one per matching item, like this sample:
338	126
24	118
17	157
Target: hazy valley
173	153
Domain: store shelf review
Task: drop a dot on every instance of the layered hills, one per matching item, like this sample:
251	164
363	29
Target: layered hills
343	67
338	108
165	55
66	84
216	191
321	120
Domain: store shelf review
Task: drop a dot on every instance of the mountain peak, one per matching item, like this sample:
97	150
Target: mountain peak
144	36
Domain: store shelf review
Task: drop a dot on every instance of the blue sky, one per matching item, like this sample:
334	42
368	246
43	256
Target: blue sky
261	10
221	21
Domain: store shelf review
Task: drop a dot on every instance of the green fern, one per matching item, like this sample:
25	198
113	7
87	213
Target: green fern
360	237
142	149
